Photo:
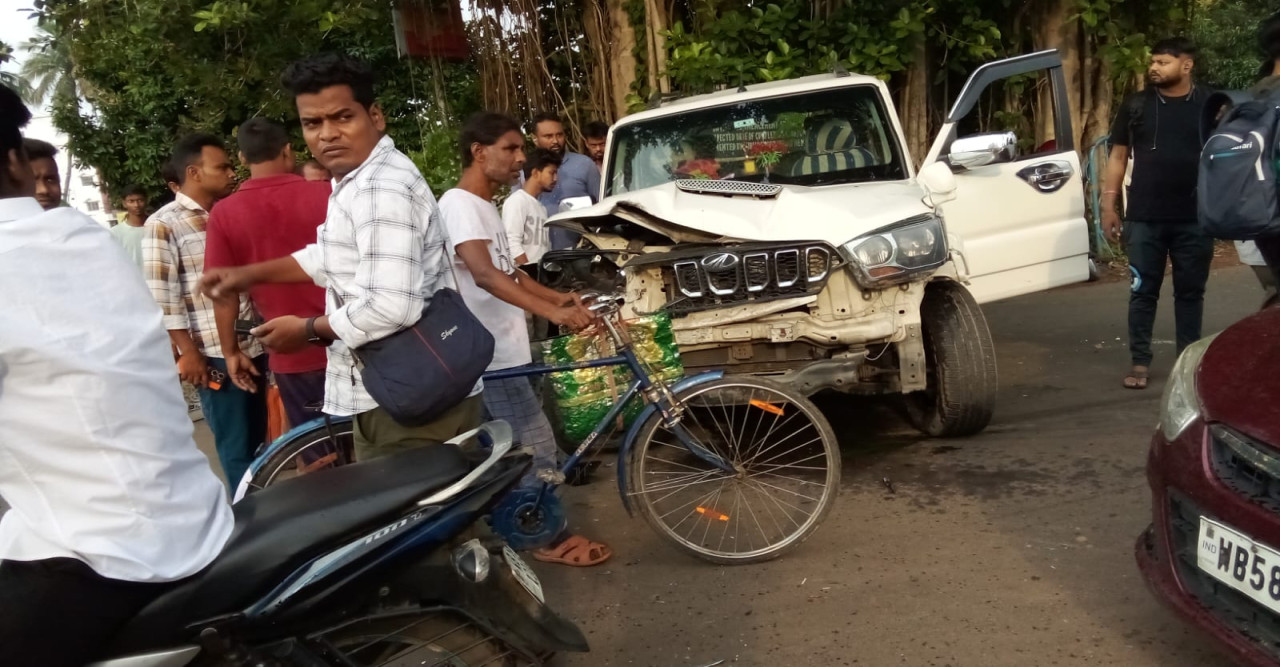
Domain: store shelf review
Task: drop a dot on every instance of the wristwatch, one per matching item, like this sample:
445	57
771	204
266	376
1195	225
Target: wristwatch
312	336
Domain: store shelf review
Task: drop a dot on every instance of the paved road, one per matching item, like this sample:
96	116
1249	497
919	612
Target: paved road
1010	548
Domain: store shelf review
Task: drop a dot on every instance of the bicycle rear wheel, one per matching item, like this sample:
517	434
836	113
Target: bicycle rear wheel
318	448
785	479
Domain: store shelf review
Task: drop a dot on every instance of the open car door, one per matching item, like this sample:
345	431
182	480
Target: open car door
1017	222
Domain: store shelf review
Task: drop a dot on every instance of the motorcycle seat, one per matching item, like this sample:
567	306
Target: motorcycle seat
282	527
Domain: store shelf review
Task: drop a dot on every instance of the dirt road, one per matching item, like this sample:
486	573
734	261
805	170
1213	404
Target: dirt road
1010	548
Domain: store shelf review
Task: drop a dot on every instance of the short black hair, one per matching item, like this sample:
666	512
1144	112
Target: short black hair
169	172
37	149
14	116
132	190
261	140
188	151
1174	46
484	128
315	73
595	130
540	158
542	117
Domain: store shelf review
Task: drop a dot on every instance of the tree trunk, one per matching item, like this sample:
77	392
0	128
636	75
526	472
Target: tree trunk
1049	30
621	56
913	104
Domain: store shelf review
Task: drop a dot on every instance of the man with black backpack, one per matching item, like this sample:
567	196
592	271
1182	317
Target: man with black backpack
1159	128
1268	88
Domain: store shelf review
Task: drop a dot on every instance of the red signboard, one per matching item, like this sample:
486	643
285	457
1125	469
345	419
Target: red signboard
432	30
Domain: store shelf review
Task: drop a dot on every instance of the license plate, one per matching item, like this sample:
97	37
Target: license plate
1239	562
523	573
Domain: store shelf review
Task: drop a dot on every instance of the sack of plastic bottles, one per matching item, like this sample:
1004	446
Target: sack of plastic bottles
583	397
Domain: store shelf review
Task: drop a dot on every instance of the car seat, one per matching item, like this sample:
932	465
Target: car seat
830	145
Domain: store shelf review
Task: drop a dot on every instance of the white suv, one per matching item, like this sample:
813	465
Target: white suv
786	230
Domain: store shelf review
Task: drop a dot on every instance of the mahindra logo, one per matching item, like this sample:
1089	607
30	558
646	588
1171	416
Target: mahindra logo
720	262
444	335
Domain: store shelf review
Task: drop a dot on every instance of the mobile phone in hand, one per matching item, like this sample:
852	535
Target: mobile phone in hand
246	326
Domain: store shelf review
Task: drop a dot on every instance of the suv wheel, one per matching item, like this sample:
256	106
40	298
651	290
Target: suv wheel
960	362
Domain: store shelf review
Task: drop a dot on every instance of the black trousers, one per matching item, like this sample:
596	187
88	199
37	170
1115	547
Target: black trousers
1151	247
59	612
1270	249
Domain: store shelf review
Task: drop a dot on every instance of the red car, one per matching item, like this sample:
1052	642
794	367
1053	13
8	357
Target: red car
1212	552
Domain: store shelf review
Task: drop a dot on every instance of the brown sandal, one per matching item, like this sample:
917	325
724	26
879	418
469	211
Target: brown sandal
1137	379
575	551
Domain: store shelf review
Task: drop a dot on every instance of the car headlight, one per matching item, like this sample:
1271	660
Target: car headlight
899	252
1180	405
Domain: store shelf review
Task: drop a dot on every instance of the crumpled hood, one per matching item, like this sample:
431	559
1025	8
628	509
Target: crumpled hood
833	213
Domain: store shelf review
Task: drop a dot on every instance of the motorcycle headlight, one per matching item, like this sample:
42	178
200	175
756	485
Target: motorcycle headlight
898	253
1180	404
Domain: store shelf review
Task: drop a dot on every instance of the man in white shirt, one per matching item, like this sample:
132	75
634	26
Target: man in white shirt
110	499
380	253
499	294
524	217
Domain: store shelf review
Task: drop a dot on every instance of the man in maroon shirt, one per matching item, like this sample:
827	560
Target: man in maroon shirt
274	214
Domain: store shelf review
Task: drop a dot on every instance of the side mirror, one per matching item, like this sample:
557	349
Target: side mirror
574	203
983	149
939	183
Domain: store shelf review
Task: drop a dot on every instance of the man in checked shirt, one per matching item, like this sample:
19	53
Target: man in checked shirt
380	252
173	262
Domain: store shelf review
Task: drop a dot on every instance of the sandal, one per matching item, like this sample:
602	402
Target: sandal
575	551
1137	379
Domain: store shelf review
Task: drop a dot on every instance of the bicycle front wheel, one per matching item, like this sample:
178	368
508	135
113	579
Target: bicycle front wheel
785	479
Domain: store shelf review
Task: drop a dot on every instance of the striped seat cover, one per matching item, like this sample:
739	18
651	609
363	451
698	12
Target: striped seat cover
832	146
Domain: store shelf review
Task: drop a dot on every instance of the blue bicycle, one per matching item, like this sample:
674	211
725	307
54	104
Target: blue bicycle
733	469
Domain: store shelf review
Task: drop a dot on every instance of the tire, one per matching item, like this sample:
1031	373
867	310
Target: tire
420	639
282	463
960	363
819	450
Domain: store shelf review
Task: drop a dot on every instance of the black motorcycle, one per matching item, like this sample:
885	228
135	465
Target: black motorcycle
377	563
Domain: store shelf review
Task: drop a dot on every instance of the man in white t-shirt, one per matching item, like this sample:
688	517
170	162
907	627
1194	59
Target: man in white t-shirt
500	294
524	216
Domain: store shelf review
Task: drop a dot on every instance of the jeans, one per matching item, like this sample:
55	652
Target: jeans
237	418
1151	245
59	612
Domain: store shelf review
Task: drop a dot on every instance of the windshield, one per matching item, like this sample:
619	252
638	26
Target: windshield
825	137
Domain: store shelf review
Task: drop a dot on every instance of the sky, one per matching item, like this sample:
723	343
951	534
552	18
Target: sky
15	27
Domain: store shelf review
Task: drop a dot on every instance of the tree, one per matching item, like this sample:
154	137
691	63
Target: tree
153	70
12	79
50	73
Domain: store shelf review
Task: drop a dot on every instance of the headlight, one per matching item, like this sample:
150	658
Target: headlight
1180	405
896	254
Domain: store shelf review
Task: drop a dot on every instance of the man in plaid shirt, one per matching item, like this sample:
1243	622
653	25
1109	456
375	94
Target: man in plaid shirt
173	262
380	252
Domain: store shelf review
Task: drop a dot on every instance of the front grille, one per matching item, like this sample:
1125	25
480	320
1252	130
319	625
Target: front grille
746	188
733	275
1231	607
1246	466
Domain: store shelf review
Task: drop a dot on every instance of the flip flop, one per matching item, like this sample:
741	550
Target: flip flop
575	551
1136	379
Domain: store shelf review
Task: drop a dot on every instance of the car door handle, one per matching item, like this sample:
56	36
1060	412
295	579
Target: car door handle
1048	177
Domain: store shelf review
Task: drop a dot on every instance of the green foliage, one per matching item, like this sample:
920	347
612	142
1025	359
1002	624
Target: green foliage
1226	33
156	69
438	159
779	40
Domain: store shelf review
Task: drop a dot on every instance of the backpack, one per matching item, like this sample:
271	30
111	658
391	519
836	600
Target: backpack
1236	191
